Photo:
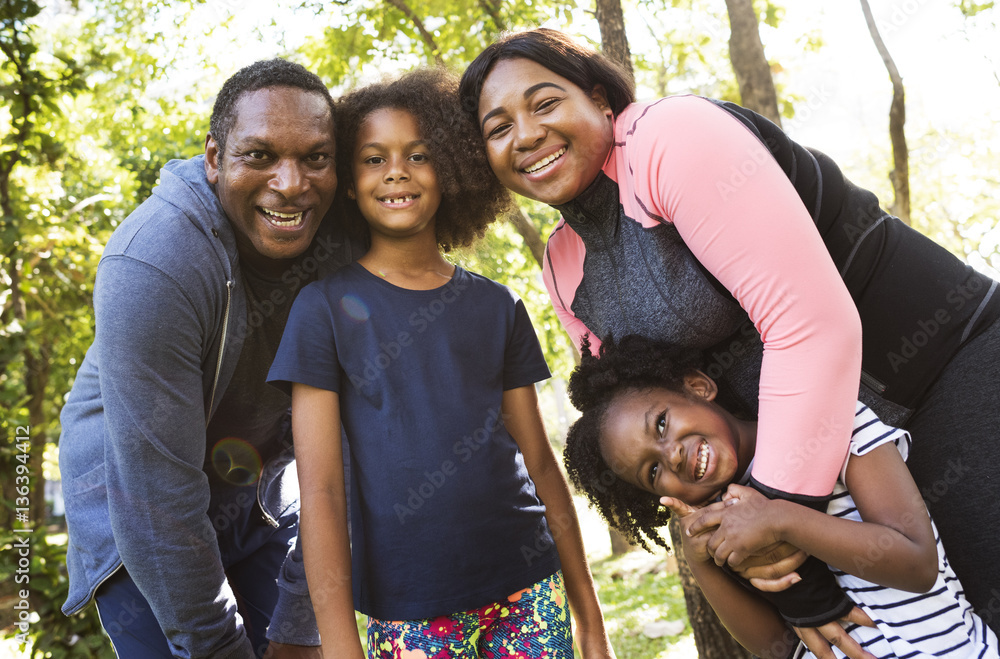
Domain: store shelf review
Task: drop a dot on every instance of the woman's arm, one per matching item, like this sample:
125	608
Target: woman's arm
740	216
523	421
894	546
323	518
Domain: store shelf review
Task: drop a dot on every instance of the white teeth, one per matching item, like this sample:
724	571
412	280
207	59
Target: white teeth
545	161
399	200
290	219
702	459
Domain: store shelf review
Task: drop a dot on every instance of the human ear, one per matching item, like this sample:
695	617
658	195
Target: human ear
700	385
600	98
211	160
350	192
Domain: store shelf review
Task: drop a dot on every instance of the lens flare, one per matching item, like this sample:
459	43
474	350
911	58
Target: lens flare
236	461
355	308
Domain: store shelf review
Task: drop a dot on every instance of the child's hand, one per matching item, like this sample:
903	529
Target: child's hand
745	525
821	640
695	544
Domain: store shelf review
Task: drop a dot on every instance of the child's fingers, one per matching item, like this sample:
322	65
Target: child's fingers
776	585
676	506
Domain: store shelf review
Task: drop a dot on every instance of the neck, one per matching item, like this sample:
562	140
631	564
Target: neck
414	263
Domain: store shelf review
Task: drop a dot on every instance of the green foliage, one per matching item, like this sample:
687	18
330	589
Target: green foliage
52	634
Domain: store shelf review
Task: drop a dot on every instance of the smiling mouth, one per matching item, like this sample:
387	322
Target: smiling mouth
285	220
544	162
395	201
702	466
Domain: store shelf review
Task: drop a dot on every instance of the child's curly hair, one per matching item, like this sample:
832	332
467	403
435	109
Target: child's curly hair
630	364
471	196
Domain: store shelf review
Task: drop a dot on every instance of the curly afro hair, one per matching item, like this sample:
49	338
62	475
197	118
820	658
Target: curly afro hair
471	196
259	75
633	363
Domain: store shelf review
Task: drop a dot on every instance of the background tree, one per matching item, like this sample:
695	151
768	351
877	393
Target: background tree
900	174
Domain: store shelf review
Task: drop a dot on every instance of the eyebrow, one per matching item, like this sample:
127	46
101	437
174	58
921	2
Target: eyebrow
527	94
380	145
259	143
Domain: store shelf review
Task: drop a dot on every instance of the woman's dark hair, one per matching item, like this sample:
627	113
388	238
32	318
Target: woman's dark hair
583	66
471	196
633	363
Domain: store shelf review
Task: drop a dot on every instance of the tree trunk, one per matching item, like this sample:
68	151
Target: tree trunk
710	637
614	42
900	174
529	233
746	52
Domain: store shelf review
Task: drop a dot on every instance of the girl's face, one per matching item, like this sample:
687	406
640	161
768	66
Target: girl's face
673	444
394	180
546	138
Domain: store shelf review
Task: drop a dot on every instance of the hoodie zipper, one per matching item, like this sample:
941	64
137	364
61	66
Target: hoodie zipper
222	349
875	385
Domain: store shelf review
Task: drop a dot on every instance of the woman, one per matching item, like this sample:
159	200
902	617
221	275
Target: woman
699	222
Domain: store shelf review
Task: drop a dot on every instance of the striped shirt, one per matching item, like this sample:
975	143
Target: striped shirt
938	623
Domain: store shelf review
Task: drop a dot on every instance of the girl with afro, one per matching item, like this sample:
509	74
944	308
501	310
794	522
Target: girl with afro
463	537
654	440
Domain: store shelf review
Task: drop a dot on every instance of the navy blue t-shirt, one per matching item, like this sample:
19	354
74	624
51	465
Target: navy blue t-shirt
444	517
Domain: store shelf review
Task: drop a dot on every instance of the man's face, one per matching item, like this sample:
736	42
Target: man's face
277	177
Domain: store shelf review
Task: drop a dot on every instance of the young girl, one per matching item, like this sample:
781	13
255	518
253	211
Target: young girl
652	433
463	532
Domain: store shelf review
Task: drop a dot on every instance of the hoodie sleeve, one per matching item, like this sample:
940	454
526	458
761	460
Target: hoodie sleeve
150	340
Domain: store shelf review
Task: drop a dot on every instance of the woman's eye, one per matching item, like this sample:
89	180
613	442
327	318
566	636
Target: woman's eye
497	131
547	103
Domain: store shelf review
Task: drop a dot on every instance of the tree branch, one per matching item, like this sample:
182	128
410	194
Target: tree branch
529	232
493	9
900	175
419	24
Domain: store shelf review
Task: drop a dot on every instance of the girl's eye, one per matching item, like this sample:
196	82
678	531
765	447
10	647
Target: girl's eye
661	423
497	131
420	157
655	469
374	160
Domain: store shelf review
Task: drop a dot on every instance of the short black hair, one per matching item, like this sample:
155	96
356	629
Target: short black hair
471	196
262	74
632	363
583	66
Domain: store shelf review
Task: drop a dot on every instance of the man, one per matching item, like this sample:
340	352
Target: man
181	504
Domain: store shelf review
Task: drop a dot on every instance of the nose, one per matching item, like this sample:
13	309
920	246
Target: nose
289	179
527	134
396	171
673	454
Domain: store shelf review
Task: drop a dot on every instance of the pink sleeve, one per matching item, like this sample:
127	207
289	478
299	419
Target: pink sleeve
562	272
700	168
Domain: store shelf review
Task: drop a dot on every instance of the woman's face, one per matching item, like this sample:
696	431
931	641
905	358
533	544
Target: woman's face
546	138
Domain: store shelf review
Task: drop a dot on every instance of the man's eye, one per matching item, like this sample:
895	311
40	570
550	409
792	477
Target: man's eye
257	155
318	157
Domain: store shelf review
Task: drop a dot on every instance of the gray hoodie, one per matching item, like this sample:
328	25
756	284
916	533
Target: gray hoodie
171	317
